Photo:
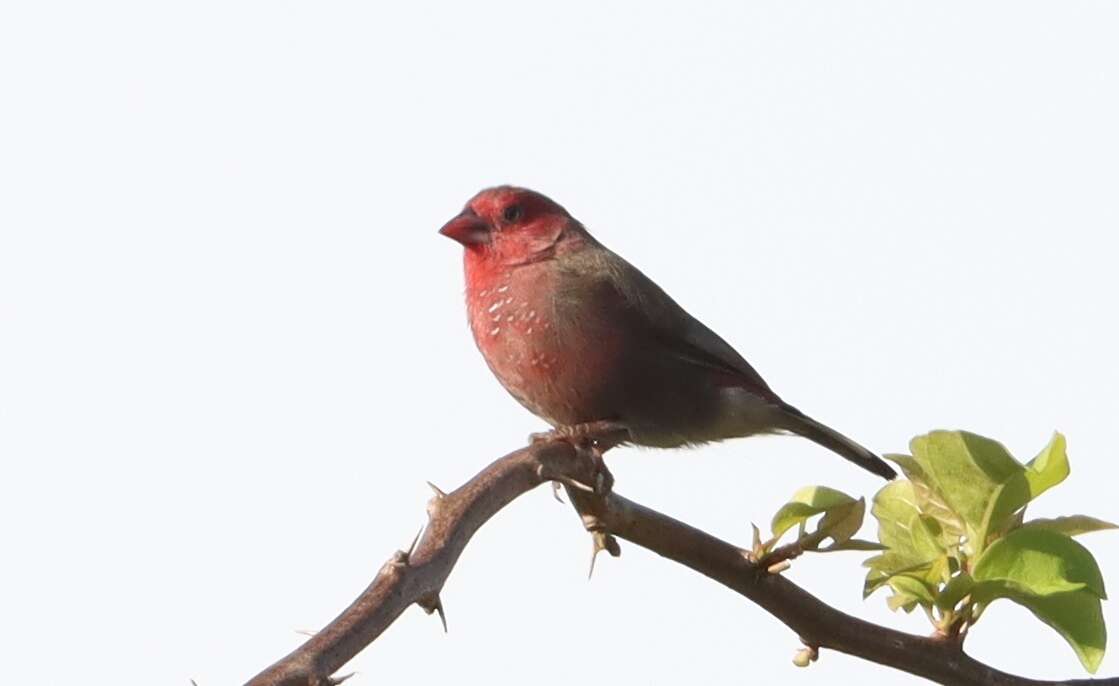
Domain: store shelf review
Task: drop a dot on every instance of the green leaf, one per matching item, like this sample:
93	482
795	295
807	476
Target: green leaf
1006	500
888	565
807	502
901	526
842	522
1073	525
911	538
954	591
1049	468
875	578
1053	576
854	544
1043	472
909	467
939	572
1037	562
914	588
901	600
1075	615
931	505
964	469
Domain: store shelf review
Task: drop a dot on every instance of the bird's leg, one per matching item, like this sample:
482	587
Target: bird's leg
596	438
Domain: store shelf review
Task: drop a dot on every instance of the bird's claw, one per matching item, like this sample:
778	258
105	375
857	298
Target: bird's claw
593	439
603	479
601	435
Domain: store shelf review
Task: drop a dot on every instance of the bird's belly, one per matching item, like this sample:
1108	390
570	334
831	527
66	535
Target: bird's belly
559	382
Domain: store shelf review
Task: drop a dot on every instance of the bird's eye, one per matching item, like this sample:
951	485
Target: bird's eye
511	213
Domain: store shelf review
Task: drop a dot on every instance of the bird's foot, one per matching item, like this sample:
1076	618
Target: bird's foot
601	480
595	438
601	435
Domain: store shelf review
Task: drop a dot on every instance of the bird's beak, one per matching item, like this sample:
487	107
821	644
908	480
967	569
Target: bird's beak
468	229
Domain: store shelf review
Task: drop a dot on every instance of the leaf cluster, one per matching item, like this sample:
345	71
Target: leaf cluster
956	539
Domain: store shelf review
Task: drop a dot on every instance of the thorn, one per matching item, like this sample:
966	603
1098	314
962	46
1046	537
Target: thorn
412	548
779	567
335	680
433	603
757	536
306	632
435	489
442	617
556	492
193	682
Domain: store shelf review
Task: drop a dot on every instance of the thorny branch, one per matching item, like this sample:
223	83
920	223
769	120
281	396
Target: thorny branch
417	576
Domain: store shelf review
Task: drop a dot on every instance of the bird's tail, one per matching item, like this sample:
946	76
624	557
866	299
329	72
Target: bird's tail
797	422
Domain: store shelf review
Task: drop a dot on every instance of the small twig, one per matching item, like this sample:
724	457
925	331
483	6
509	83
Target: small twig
778	559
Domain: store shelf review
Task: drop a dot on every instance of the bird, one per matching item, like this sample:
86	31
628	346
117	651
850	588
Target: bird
588	343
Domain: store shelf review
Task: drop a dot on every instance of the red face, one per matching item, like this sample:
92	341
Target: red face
509	224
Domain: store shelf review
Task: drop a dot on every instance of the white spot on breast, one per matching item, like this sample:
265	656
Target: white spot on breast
495	330
495	306
502	289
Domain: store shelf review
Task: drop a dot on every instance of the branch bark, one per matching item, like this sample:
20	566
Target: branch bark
418	576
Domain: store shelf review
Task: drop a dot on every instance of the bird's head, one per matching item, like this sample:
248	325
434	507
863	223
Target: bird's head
511	225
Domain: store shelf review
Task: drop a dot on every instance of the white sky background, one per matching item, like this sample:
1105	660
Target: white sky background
233	348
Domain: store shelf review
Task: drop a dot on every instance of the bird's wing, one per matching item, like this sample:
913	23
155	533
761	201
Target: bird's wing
631	296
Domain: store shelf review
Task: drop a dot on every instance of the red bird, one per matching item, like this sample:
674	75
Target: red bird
592	346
